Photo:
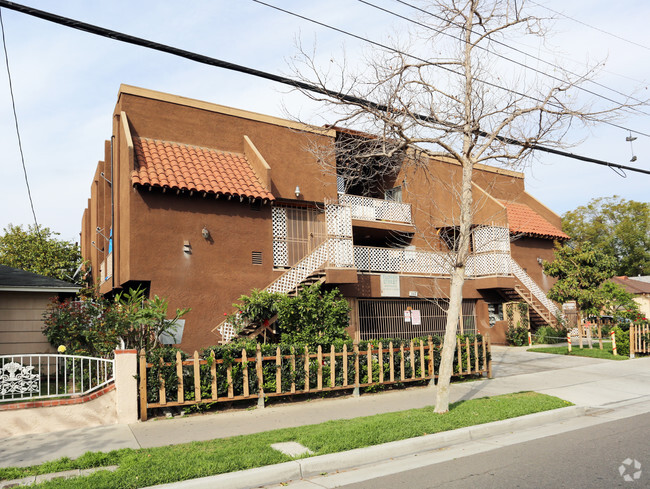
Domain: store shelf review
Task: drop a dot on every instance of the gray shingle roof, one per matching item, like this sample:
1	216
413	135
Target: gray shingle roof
14	278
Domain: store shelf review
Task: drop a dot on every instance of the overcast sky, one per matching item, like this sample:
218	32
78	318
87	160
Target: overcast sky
66	82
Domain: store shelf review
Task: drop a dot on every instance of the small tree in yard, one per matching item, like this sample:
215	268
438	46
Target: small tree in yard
94	326
39	252
583	274
460	106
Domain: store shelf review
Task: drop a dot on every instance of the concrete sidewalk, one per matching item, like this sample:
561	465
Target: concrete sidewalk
586	382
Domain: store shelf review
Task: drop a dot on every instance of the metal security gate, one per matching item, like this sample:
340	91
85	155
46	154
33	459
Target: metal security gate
384	318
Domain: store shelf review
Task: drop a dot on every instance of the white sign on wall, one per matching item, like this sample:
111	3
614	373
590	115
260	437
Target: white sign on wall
389	285
415	317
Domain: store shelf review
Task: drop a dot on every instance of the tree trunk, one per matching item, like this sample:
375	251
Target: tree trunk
455	292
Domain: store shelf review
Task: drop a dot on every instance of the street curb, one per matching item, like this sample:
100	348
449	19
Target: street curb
333	462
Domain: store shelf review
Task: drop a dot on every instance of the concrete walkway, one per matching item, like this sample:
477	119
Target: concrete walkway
586	382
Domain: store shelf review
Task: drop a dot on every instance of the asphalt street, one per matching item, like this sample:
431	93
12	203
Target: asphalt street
586	458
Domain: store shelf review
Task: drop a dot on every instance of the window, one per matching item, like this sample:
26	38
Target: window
393	194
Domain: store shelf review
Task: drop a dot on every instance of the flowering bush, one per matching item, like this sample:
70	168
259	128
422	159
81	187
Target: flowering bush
94	326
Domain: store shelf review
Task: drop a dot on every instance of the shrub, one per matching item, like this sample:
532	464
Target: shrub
313	317
517	335
549	335
622	341
94	326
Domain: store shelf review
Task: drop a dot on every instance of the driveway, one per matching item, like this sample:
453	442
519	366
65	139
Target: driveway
509	360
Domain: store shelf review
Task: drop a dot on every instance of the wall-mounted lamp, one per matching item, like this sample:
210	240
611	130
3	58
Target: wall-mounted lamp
297	191
540	261
187	248
205	233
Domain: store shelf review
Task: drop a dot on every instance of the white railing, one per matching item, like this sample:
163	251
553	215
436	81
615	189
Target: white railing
534	289
401	260
369	209
36	376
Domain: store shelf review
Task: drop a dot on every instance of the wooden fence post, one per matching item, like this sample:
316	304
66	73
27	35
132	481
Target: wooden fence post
489	347
332	366
484	366
260	377
460	355
380	357
401	364
345	365
614	352
423	366
319	379
476	363
600	335
161	389
369	358
392	361
179	375
143	385
432	382
469	356
306	364
231	389
357	391
197	377
293	370
412	358
632	340
278	370
213	372
244	365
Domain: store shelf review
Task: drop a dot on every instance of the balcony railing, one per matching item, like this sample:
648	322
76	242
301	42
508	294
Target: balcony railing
400	260
369	209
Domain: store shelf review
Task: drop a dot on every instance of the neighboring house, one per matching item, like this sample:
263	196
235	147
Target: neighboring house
201	203
24	297
641	290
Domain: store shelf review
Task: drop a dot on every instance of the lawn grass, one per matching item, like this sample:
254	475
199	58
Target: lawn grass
578	352
145	467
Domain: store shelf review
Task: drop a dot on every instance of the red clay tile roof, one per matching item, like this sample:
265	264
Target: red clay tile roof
184	167
522	219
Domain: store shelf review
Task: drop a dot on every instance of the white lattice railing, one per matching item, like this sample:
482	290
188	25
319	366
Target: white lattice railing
534	289
34	376
400	260
370	209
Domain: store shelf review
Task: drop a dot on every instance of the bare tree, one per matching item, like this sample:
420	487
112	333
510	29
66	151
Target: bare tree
468	107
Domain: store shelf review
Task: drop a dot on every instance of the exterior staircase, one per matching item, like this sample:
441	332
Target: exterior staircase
542	310
335	251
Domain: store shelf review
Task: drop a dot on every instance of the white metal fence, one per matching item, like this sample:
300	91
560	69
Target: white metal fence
38	376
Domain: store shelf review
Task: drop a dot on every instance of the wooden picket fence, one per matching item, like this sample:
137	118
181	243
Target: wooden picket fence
200	380
639	339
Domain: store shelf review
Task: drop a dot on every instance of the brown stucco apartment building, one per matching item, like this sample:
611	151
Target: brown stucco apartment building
201	203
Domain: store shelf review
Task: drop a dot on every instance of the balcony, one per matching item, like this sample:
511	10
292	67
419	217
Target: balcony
376	210
401	260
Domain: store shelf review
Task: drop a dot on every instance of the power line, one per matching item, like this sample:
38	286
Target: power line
591	26
13	105
506	45
126	38
445	68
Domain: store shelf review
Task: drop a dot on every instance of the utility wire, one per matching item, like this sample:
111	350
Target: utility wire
591	26
500	87
126	38
13	105
506	45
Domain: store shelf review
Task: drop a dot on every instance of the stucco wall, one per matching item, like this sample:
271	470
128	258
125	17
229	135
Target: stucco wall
98	412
